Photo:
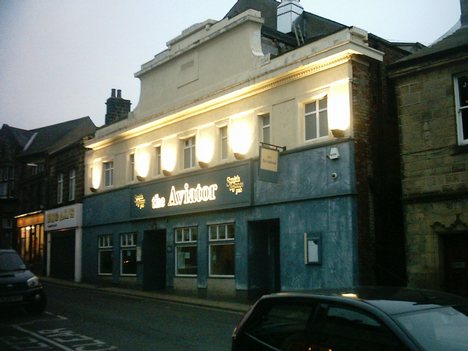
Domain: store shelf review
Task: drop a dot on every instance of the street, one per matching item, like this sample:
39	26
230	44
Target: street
85	320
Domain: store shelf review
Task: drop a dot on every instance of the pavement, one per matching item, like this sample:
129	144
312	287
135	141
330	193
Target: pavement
156	295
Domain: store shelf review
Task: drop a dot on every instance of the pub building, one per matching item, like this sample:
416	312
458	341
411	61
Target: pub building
245	168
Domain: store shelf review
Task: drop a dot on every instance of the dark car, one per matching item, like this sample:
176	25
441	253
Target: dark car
19	287
358	319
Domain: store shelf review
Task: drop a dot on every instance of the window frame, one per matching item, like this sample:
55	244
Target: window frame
183	243
157	160
221	241
59	188
459	109
128	242
72	185
108	174
315	115
265	126
105	244
131	167
224	142
189	146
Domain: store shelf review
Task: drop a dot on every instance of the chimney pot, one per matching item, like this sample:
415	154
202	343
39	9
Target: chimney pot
113	93
464	12
287	12
119	93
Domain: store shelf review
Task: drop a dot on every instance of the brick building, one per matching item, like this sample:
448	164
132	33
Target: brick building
432	101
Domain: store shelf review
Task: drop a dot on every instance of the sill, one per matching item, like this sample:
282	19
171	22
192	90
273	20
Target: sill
222	276
105	274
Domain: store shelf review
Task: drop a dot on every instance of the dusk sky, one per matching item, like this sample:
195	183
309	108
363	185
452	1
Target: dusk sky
59	59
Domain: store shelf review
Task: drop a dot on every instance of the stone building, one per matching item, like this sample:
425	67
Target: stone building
432	101
260	157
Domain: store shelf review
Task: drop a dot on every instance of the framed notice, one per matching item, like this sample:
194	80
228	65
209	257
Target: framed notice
312	248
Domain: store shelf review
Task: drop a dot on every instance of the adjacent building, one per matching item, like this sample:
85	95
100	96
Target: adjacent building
260	157
432	98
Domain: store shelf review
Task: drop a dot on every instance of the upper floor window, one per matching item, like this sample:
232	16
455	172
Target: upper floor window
60	188
265	132
157	163
131	167
223	135
109	173
461	99
189	153
71	185
316	119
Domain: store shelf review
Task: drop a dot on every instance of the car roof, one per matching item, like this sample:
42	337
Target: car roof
7	250
390	300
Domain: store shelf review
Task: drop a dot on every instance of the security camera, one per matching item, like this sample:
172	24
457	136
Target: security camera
334	154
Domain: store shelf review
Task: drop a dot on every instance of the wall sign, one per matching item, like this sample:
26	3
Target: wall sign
64	217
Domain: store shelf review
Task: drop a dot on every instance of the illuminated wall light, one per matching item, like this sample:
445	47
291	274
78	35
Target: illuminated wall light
205	145
168	155
241	135
142	161
96	175
339	109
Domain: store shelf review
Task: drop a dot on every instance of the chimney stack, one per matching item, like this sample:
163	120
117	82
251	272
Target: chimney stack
287	13
464	12
117	108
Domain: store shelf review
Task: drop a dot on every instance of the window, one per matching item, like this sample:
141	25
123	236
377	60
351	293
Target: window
60	188
223	134
316	119
105	256
221	251
189	153
265	132
71	185
108	173
157	163
461	98
186	251
131	167
128	254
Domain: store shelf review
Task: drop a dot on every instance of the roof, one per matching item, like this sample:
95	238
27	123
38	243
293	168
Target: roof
54	137
454	42
19	136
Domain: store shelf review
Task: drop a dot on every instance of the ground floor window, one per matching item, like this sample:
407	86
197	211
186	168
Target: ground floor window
105	257
128	265
186	251
221	250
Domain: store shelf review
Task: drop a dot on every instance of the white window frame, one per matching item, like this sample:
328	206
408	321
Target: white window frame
104	245
224	142
128	242
185	237
59	188
71	185
316	115
157	160
460	108
108	173
217	238
265	128
189	152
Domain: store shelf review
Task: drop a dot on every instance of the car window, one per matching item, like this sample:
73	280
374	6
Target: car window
10	261
281	326
345	329
438	328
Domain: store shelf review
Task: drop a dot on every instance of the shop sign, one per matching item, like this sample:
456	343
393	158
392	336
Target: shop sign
194	193
64	217
30	220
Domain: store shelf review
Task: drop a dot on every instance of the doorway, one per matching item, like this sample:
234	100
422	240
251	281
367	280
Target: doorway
264	257
154	260
62	255
456	263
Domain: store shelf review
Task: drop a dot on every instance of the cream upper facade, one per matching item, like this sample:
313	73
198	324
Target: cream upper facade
213	96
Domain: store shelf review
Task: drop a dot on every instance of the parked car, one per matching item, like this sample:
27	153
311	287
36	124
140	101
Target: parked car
19	287
359	319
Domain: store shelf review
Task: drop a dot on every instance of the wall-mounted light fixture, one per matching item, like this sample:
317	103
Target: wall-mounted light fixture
140	178
93	189
96	174
338	133
205	145
142	161
203	164
241	134
167	173
169	155
239	156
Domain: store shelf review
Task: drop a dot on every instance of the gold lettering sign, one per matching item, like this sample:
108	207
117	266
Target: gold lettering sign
139	201
235	185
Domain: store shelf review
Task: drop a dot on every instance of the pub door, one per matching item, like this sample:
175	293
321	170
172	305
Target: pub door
456	263
154	260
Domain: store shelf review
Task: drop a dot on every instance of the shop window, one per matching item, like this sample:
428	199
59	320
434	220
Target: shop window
128	254
108	173
105	256
316	119
221	250
189	153
186	251
461	98
265	125
223	134
71	185
60	188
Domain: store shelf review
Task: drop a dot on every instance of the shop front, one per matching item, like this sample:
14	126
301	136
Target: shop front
31	239
64	235
226	231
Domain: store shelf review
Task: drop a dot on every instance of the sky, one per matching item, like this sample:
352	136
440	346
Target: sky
60	59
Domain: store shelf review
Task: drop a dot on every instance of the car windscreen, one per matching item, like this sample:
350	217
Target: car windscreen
10	261
444	328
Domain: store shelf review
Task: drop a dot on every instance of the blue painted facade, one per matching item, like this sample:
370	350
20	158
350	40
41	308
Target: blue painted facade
313	195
